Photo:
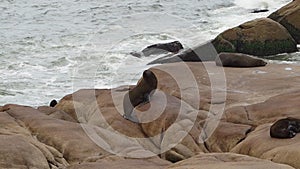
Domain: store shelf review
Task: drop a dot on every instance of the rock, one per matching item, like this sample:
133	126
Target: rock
16	152
231	135
289	17
64	136
226	160
199	53
53	112
274	108
149	135
115	162
244	86
160	48
259	37
21	149
259	144
238	60
259	10
198	107
173	125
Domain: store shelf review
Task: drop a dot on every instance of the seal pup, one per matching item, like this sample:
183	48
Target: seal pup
160	48
238	60
141	93
285	128
53	103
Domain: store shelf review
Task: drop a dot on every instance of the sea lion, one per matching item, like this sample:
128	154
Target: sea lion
238	60
139	94
160	48
285	128
53	103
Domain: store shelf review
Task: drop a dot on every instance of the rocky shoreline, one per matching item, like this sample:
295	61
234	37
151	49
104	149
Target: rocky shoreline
49	137
201	116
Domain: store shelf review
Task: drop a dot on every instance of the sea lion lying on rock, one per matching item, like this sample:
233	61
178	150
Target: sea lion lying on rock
160	48
285	128
238	60
139	94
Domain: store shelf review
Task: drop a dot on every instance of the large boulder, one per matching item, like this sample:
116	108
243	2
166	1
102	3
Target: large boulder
226	160
259	37
289	17
270	110
198	53
259	144
155	135
115	162
16	152
20	146
159	48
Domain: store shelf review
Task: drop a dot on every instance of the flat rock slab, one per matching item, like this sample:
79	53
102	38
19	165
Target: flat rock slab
115	162
226	160
259	144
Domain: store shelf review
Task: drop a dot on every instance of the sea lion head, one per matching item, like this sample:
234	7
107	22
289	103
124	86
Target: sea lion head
150	79
262	62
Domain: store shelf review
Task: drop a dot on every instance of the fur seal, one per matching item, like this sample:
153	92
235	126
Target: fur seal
160	48
53	103
238	60
139	94
285	128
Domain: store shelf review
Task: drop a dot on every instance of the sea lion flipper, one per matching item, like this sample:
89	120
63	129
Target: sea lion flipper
129	113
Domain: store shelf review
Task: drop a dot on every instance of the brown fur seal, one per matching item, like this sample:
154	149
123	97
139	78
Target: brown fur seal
238	60
53	103
285	128
160	48
139	94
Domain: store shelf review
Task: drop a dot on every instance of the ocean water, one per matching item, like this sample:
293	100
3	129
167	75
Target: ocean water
53	48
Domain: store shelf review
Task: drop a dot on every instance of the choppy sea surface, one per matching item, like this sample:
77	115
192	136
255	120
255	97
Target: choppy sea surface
53	48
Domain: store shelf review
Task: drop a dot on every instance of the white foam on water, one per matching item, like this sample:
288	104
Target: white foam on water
261	4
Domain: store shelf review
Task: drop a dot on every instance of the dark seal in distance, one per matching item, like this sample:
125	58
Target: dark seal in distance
285	128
